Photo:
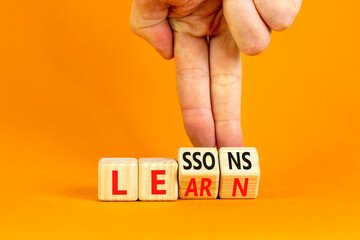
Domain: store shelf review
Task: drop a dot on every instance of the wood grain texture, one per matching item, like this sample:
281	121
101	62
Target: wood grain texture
198	173
240	172
126	172
158	179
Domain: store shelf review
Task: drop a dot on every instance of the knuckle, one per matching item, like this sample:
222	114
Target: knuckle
133	27
283	21
225	80
260	3
196	111
279	15
255	47
192	73
228	122
285	17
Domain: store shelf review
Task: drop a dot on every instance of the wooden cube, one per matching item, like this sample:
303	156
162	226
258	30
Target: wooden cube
118	179
240	172
198	173
158	179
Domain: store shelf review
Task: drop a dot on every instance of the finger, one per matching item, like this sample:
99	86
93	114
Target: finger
193	84
250	33
225	79
148	20
278	14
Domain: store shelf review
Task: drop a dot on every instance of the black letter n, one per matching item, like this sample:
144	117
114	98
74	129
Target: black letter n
236	161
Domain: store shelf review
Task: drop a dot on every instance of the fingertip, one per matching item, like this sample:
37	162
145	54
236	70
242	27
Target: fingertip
167	55
255	46
199	126
202	138
280	14
248	29
229	135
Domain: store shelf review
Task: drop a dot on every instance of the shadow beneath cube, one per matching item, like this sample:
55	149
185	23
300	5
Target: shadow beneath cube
82	193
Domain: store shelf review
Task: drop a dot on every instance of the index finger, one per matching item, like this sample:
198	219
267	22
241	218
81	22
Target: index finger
193	83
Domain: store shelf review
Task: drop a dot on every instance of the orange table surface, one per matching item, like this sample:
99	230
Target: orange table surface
76	85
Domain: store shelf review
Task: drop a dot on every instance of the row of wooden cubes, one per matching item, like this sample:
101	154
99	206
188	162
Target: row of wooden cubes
199	173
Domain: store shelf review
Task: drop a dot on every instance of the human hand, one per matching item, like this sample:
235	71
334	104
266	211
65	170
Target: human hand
206	38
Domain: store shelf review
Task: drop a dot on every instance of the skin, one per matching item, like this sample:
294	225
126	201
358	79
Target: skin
206	38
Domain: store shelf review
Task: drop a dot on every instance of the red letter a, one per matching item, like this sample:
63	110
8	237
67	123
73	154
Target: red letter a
189	189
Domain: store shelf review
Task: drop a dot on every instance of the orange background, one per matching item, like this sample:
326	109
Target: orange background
76	85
